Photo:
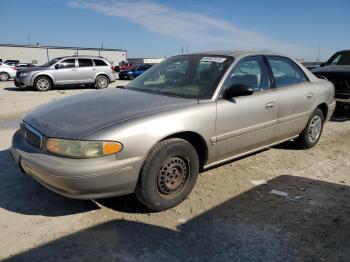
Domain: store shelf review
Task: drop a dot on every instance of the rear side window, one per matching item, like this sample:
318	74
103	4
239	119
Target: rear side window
300	74
85	62
283	71
67	63
99	62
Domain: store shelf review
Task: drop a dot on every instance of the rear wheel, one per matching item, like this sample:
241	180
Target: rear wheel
42	83
4	76
168	175
311	134
101	82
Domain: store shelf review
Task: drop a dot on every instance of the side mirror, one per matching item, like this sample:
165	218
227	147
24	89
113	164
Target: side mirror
57	66
238	90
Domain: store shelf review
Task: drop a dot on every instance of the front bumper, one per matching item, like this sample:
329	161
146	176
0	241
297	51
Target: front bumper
342	97
77	178
22	82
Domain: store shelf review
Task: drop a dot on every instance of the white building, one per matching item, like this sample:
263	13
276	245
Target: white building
142	61
38	55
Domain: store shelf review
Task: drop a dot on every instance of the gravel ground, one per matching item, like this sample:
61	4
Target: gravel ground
226	218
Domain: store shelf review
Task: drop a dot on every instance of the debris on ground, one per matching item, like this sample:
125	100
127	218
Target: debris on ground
258	182
278	193
261	196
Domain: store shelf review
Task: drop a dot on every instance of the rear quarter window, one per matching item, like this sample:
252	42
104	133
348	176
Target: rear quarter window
99	62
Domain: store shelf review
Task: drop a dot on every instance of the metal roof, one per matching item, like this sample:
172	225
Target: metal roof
61	47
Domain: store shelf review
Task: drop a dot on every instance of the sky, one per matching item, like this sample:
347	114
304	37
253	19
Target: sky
298	28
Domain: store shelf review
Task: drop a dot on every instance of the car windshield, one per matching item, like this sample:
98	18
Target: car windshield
51	62
342	58
188	76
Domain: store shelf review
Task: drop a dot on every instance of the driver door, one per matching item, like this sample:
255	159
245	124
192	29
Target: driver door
66	73
245	123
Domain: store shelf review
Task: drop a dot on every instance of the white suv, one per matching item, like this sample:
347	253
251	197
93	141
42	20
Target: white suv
6	72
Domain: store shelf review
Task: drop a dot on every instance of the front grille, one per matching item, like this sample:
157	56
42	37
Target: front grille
32	136
340	85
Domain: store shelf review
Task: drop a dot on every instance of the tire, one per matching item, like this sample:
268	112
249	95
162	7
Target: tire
42	83
101	82
168	174
4	76
311	134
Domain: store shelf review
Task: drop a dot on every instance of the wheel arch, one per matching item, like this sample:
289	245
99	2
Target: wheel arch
324	108
45	75
102	74
197	142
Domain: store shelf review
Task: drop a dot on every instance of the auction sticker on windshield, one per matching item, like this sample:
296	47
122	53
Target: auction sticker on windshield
214	59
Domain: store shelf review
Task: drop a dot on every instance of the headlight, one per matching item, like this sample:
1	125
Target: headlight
24	74
82	149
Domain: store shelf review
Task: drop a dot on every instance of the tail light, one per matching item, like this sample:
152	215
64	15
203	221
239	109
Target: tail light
14	68
112	67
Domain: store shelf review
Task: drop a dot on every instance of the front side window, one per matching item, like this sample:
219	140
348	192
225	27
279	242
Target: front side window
188	76
250	72
67	63
83	62
283	71
342	58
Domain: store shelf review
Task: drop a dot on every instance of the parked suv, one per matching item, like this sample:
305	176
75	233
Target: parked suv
69	70
337	70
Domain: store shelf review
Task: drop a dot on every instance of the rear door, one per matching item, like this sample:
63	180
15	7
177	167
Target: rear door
86	71
296	96
245	123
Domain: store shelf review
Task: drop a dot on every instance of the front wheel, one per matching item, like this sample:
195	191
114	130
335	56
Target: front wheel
168	175
4	76
101	82
42	83
311	134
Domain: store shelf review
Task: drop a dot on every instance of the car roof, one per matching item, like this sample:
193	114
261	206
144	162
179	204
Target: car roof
236	53
83	56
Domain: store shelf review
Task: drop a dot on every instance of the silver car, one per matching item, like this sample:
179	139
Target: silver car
182	116
71	70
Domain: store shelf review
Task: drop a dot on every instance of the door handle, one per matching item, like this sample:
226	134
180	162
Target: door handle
309	95
270	105
74	70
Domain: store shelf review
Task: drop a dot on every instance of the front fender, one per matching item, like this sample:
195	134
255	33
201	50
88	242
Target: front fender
36	74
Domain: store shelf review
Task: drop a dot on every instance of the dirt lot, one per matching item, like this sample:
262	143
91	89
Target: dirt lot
226	218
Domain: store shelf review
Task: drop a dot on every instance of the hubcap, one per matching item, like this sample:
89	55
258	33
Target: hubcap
43	84
102	82
172	175
3	77
315	128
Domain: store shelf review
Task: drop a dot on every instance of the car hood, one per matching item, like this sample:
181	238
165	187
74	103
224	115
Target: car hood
76	116
33	69
331	69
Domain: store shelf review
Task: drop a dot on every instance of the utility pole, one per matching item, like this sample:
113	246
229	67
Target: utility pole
28	37
187	49
182	50
319	52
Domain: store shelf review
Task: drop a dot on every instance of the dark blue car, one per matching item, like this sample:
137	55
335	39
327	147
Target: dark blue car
133	73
